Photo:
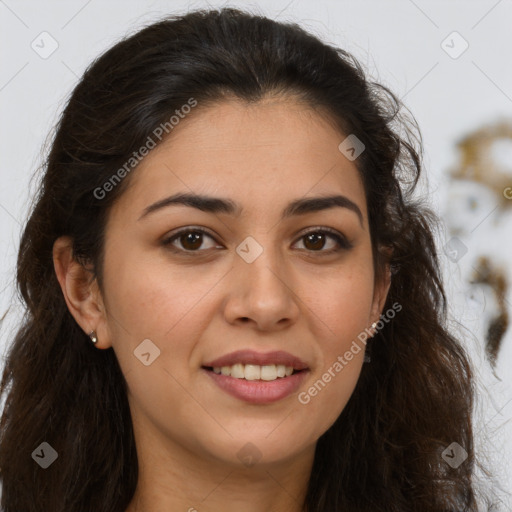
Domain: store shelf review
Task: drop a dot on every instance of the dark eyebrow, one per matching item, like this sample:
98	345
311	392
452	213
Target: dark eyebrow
218	205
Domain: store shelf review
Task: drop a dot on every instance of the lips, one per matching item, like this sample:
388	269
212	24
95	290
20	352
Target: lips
256	377
247	357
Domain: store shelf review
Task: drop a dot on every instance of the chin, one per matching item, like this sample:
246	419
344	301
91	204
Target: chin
260	448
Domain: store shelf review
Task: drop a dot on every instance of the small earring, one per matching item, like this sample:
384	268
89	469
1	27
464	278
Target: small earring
374	325
93	337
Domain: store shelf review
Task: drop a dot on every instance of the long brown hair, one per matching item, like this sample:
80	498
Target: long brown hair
412	400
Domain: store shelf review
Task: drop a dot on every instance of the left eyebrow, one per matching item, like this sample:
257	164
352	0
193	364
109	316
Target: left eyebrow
209	204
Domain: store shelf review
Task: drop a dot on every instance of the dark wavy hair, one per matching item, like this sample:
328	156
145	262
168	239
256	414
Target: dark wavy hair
412	400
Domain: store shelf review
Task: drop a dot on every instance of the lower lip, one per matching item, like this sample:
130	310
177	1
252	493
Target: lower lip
258	391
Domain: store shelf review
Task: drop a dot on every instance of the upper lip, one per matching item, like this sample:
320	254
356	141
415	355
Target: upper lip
258	358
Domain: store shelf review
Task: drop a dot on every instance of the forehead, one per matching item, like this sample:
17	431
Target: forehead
262	154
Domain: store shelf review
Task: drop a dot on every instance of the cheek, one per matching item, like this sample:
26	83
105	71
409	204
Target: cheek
327	394
150	297
345	304
343	308
152	301
341	358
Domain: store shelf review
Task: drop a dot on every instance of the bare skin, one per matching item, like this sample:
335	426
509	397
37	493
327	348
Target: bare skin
309	297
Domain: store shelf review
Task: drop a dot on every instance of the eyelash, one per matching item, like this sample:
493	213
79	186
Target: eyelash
343	243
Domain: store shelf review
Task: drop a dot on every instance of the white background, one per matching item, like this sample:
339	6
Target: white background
399	42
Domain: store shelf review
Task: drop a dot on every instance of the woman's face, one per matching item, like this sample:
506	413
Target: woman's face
277	278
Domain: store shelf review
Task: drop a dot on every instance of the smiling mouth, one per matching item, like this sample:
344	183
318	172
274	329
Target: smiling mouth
255	372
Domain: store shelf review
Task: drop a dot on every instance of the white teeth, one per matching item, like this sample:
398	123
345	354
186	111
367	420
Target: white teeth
237	371
255	372
252	372
269	372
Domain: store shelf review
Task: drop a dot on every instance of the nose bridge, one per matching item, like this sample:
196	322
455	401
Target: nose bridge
263	287
261	262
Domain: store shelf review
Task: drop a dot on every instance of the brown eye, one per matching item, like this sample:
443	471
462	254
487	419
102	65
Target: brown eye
316	241
190	240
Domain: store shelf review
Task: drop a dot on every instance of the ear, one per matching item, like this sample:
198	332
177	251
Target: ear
381	288
81	292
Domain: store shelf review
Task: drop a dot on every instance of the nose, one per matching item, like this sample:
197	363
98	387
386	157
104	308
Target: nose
261	293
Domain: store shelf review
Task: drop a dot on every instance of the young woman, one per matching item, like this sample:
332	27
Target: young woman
233	297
